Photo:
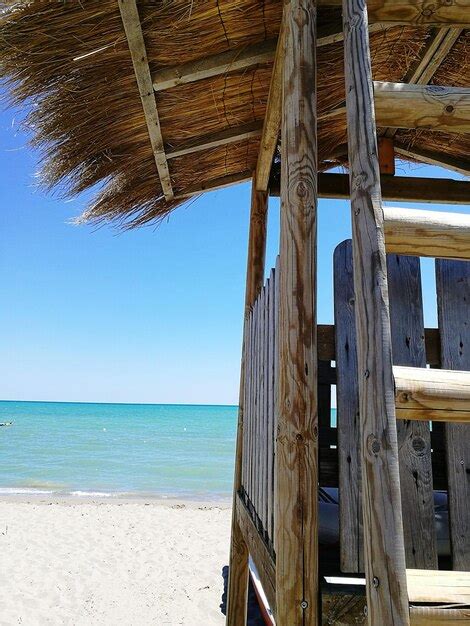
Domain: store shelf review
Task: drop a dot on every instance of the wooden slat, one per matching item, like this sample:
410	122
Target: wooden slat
259	552
238	572
383	529
327	347
440	46
453	298
438	586
398	189
430	107
439	616
266	483
277	308
246	398
414	439
254	476
262	411
347	398
270	409
297	582
430	394
214	140
427	233
131	21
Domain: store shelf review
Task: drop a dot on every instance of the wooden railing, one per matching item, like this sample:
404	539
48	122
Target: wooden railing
259	422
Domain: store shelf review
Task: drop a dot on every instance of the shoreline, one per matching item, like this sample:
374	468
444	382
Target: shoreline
128	499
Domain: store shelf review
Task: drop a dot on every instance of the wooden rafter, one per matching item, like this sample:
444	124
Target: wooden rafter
132	26
437	50
220	138
398	189
236	60
272	120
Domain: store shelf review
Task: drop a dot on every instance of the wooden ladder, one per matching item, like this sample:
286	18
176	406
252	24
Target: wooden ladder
386	392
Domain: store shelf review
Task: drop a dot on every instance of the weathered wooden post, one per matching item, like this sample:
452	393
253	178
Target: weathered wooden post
238	572
296	541
387	597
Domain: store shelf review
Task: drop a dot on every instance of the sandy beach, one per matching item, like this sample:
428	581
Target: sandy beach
135	562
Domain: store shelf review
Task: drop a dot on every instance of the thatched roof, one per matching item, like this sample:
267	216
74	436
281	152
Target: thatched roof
71	60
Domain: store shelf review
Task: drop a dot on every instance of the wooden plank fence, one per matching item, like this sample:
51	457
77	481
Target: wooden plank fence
259	418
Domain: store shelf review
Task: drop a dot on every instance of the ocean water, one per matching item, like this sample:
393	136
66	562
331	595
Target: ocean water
169	451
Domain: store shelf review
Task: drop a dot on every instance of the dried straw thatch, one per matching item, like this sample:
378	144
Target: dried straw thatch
70	59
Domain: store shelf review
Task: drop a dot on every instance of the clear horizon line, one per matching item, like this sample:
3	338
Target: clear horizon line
120	403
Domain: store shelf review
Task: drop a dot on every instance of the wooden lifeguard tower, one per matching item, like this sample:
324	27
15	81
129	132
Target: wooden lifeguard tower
162	101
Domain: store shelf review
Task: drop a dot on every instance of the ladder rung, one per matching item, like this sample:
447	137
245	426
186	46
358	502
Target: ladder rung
431	107
432	394
433	586
427	233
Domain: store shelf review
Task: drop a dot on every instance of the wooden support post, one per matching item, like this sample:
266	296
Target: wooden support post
297	434
238	572
384	556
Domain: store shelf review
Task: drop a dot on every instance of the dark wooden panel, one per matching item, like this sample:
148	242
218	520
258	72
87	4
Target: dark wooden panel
453	301
414	440
347	394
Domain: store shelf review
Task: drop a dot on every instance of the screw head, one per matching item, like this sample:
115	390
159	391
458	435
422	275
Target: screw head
304	604
375	581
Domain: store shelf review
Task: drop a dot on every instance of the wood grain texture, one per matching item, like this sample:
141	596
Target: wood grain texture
131	21
238	571
419	12
398	188
414	438
387	597
431	107
297	435
259	552
347	398
271	405
436	51
215	65
427	233
426	394
438	586
453	298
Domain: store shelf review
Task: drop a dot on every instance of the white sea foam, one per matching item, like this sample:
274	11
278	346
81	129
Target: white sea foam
23	490
92	494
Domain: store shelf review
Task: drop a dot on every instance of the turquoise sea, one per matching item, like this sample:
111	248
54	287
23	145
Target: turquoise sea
172	451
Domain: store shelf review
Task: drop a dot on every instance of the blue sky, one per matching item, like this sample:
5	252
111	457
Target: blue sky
152	315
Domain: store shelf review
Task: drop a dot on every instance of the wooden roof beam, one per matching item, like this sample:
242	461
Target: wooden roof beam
427	233
220	138
135	39
401	105
420	12
437	50
236	60
398	189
